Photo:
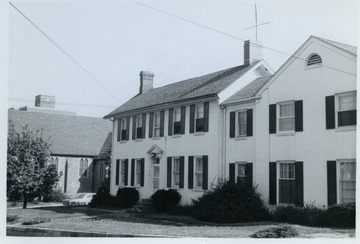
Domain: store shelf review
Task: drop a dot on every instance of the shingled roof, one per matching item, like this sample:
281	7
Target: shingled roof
249	90
210	84
69	135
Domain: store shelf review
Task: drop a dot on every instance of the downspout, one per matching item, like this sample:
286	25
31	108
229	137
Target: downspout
223	139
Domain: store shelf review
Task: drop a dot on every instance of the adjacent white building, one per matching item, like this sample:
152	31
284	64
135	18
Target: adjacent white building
291	133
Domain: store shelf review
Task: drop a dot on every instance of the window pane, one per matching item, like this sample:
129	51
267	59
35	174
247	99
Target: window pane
139	121
347	102
287	124
157	120
287	191
287	171
347	118
199	165
177	114
287	110
242	117
241	170
242	129
200	112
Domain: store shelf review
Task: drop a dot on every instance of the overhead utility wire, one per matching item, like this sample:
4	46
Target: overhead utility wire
232	36
66	53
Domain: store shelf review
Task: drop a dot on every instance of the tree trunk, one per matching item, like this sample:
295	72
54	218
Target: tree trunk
25	201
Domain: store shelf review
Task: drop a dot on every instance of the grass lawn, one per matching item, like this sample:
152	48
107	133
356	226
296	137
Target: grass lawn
121	222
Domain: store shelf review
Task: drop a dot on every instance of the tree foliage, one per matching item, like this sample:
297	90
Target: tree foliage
28	173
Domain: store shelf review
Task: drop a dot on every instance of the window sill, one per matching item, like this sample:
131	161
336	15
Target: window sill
200	133
288	133
346	128
198	190
156	138
240	138
122	142
138	140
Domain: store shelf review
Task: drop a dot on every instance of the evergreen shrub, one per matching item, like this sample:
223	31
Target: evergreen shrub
103	198
127	197
227	202
164	199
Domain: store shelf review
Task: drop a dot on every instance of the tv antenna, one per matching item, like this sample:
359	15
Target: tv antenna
256	24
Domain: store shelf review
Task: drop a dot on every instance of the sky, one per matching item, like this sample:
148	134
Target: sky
101	47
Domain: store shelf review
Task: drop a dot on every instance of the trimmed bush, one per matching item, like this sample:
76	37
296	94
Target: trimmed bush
341	215
102	198
227	202
276	232
127	197
164	199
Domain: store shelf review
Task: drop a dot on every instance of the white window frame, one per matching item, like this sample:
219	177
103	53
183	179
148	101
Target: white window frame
339	180
237	166
139	120
123	126
137	172
337	107
237	130
198	174
175	172
83	168
279	177
156	127
199	114
176	111
278	118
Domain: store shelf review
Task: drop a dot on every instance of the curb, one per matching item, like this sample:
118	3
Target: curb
43	232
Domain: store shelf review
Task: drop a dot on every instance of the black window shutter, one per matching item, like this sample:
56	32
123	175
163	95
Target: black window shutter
330	112
232	172
331	182
126	172
169	161
132	172
206	117
143	125
191	172
299	184
232	124
117	172
299	115
272	183
118	129
182	168
192	119
272	118
134	128
151	125
183	111
162	118
249	174
171	112
142	179
249	122
205	172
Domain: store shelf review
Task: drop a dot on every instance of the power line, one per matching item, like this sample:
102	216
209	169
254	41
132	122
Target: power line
65	53
232	36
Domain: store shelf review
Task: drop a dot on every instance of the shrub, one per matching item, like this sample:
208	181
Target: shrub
276	232
54	196
164	199
102	198
227	202
180	210
126	197
341	215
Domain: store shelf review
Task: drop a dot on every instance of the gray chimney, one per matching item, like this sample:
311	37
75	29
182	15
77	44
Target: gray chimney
45	101
146	81
252	52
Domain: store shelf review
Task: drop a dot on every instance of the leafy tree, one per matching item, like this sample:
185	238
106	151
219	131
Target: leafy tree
28	173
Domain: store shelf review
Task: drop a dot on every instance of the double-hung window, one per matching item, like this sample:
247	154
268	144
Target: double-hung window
199	121
138	172
199	172
123	129
241	172
177	121
139	125
347	181
176	172
83	167
241	123
286	116
123	172
156	124
287	187
346	114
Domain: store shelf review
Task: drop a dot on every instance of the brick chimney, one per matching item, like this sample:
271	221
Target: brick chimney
45	101
252	52
146	81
